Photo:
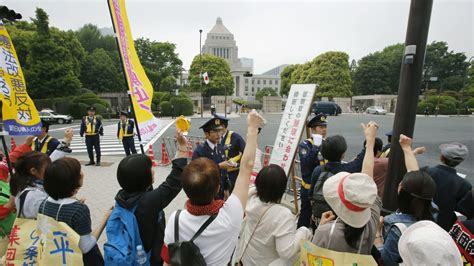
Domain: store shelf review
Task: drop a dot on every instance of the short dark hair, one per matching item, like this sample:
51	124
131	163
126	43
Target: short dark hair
333	148
416	194
449	162
134	173
62	178
201	180
271	183
22	177
378	145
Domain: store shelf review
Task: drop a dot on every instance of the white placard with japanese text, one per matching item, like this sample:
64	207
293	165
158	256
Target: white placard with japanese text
292	124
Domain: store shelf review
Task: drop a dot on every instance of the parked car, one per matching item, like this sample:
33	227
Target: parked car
327	108
53	117
377	110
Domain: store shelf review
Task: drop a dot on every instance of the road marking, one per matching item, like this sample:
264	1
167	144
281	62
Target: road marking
64	128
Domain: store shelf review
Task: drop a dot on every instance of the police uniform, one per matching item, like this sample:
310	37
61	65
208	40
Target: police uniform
92	128
46	145
310	159
386	148
125	134
214	152
234	146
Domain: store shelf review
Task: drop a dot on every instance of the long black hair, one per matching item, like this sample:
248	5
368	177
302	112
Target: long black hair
22	178
352	235
416	194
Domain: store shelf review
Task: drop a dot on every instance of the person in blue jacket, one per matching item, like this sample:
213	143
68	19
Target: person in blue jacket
213	150
234	146
125	133
308	151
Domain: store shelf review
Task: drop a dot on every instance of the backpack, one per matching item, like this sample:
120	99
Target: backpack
319	204
123	238
186	252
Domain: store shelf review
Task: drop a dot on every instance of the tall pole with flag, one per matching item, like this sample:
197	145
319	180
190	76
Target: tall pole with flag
140	88
200	71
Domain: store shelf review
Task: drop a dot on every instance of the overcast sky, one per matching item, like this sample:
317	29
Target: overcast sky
272	33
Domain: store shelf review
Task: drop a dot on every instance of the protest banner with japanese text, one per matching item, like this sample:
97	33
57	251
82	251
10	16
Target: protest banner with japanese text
464	241
19	113
42	242
139	85
292	124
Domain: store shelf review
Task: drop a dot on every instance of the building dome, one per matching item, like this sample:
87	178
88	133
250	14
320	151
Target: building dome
219	28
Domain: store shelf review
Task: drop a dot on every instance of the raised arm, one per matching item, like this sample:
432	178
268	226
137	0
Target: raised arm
410	160
370	131
241	190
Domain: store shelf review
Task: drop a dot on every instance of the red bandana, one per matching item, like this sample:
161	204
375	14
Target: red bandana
210	209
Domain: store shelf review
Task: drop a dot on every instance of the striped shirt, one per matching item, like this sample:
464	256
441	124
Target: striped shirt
69	211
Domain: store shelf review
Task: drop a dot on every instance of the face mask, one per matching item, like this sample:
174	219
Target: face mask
318	139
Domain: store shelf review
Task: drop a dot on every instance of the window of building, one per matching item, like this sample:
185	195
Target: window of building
246	81
246	88
276	81
264	82
258	81
253	82
270	82
253	89
258	89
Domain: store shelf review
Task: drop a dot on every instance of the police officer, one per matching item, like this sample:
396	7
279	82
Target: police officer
44	142
213	150
91	126
234	146
386	149
308	151
125	133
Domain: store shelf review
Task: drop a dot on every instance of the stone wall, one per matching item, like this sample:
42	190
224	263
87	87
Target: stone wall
272	104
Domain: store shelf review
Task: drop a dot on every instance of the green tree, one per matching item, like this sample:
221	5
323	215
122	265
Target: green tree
99	73
220	78
22	34
160	61
90	37
285	76
53	70
265	92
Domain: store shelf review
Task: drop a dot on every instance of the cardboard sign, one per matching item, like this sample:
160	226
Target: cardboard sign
312	255
292	124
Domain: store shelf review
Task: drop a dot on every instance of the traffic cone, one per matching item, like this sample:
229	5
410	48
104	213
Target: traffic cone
151	155
12	143
266	157
190	150
165	160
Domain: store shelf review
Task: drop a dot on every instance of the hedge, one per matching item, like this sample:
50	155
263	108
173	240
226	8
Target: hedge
182	106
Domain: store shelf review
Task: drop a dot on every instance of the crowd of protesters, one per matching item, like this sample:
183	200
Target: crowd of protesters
242	223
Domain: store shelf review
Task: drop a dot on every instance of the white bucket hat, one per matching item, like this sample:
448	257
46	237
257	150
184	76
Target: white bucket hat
350	196
425	243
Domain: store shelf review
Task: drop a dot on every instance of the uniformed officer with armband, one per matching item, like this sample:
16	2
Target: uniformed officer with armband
234	146
91	126
308	151
125	133
213	150
43	142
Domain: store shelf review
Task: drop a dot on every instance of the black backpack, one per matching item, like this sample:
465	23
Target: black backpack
319	204
186	252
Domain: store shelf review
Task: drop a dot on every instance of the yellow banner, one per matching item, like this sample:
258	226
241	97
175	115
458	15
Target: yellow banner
140	87
43	242
19	112
313	255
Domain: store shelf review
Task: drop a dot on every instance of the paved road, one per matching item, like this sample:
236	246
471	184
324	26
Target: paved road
429	132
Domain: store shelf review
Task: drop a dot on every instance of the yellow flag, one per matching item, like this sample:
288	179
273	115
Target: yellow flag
19	112
138	83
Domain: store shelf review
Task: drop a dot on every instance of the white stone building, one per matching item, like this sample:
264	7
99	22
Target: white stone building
220	42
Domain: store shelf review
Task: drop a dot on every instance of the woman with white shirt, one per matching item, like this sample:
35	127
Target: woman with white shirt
269	233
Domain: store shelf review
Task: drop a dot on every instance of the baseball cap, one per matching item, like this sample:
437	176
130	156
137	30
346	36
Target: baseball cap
425	243
350	196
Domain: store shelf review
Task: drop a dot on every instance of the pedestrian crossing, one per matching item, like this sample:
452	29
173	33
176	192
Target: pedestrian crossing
109	144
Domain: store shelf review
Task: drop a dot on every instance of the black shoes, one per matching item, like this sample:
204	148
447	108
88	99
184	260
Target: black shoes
90	163
97	164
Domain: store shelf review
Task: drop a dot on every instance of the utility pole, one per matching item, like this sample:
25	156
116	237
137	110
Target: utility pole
200	71
408	94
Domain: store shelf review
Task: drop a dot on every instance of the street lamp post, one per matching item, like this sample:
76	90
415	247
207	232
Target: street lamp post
200	71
